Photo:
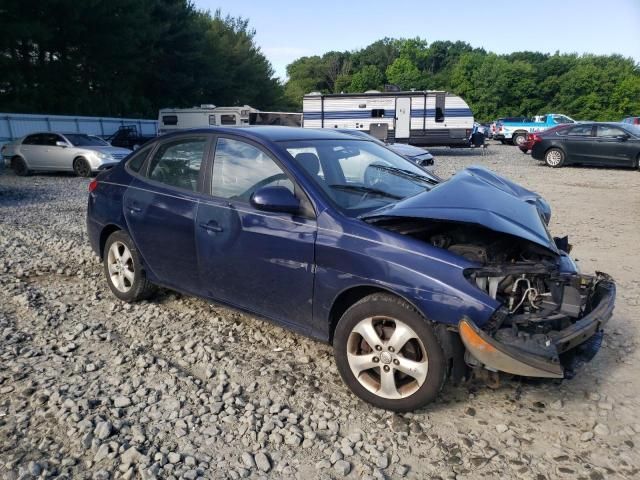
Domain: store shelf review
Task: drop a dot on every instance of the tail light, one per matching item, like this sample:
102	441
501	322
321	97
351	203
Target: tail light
534	137
636	121
93	185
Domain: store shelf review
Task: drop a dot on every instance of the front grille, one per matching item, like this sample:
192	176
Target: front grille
119	156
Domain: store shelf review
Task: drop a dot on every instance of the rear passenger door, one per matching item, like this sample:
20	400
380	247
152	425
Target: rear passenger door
578	143
34	150
160	207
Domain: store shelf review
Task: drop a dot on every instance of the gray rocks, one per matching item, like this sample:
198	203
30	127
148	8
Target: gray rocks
342	467
103	430
262	462
121	402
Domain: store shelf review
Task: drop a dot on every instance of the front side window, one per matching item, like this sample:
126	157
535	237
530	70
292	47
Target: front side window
178	163
80	140
52	138
608	131
359	176
562	119
239	169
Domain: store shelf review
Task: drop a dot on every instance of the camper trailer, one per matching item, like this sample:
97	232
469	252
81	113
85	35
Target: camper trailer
418	118
171	119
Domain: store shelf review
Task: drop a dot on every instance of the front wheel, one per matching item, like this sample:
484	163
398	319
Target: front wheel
388	354
19	167
554	157
81	167
123	269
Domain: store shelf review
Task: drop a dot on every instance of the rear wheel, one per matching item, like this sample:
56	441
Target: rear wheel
554	157
388	354
81	167
19	167
518	139
123	269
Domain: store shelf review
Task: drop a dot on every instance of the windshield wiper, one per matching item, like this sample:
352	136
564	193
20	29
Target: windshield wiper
363	189
405	173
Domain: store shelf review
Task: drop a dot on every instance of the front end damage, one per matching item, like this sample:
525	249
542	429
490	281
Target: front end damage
551	316
549	324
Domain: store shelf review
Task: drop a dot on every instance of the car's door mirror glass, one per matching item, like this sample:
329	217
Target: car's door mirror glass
275	199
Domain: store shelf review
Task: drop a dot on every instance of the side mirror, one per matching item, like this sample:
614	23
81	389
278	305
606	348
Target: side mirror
275	199
624	137
61	144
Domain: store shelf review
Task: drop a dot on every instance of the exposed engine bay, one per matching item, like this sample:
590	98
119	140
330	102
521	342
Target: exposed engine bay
539	300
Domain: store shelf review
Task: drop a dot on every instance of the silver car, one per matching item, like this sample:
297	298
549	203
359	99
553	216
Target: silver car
69	152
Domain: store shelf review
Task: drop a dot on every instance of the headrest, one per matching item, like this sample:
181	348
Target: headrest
309	161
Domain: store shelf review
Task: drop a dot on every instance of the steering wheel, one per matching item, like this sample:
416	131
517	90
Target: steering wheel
266	181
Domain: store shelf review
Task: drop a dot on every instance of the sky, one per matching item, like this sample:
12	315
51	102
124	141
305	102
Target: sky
289	29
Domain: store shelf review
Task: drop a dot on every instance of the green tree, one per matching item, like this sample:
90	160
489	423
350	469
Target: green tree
369	78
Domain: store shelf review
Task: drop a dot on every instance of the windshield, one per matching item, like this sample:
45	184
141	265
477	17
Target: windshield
359	176
79	140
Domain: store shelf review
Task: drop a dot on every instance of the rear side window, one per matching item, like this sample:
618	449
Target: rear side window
178	163
579	131
31	140
136	162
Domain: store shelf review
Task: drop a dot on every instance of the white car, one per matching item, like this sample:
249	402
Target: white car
69	152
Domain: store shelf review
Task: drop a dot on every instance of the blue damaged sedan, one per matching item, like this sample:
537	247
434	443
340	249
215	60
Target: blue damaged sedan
412	279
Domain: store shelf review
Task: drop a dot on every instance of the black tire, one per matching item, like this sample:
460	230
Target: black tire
139	288
518	139
19	167
554	157
503	141
386	306
81	167
523	150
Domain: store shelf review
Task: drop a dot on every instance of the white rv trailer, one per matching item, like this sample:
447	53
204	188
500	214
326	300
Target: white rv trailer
171	119
418	118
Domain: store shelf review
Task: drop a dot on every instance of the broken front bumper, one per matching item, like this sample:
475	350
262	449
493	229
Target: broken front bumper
581	339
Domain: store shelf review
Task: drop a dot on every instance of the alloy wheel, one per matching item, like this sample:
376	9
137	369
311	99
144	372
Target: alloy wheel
387	357
120	266
553	157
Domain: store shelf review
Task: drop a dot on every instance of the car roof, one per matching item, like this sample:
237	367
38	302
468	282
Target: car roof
273	133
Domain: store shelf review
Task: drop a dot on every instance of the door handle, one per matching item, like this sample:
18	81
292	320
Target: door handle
211	226
134	208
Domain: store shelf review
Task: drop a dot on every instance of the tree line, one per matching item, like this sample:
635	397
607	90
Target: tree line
133	57
127	58
586	87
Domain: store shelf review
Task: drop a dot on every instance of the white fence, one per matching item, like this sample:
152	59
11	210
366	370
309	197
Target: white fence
16	125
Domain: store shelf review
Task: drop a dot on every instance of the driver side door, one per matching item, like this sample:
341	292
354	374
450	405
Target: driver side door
259	261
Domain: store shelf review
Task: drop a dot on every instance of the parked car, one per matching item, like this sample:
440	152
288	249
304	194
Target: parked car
633	120
409	278
417	155
69	152
533	138
514	130
128	136
607	144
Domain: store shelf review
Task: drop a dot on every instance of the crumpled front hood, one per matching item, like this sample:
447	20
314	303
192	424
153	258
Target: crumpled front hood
479	196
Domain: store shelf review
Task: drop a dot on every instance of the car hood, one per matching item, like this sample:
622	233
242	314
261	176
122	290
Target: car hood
478	196
408	150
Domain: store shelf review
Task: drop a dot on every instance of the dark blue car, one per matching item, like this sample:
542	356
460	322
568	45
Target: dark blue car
411	279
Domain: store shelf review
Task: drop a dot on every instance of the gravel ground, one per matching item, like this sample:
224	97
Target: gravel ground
180	388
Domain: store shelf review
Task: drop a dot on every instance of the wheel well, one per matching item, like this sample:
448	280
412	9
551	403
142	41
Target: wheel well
16	157
106	232
345	300
518	132
79	157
